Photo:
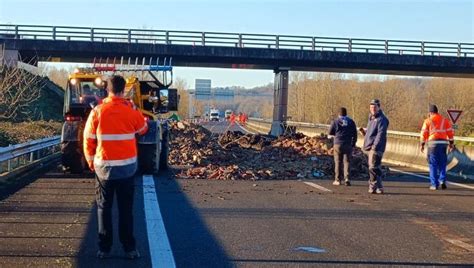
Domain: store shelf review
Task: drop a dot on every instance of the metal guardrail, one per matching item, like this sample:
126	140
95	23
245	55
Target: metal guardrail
392	133
20	155
242	40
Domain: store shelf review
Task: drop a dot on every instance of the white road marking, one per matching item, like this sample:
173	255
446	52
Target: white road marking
460	244
245	129
310	249
319	187
426	177
160	249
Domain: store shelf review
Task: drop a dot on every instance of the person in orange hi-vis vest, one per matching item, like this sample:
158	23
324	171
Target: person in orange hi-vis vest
242	119
111	151
232	118
438	133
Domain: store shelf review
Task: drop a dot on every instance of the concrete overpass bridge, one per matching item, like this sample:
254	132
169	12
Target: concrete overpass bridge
280	53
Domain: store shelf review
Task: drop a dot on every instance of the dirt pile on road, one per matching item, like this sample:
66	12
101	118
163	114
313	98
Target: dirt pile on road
236	156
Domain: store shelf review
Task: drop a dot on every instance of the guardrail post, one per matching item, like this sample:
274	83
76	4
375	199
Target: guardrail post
17	36
277	42
350	45
313	43
92	34
129	36
422	48
54	33
9	165
386	46
167	37
241	44
203	39
32	156
459	49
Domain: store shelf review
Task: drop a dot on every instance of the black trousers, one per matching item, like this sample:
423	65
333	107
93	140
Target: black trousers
105	190
342	161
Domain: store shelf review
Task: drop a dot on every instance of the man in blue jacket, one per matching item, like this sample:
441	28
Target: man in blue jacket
345	137
375	141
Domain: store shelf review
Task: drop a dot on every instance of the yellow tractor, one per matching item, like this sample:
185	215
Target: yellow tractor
153	97
148	88
84	90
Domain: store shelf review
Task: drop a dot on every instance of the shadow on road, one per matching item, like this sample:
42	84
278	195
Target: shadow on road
192	243
257	262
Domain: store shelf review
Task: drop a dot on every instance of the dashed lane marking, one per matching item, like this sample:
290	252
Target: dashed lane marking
461	244
319	187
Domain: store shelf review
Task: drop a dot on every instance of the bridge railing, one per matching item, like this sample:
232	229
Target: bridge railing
241	40
25	155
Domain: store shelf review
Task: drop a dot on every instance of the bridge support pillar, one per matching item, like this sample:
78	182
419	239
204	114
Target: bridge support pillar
280	101
8	57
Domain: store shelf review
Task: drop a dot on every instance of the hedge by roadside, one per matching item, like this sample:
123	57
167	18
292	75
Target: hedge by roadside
14	133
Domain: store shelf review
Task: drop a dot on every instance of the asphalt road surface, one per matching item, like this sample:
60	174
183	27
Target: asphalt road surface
283	223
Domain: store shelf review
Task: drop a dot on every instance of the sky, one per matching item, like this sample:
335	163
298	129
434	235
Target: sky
427	20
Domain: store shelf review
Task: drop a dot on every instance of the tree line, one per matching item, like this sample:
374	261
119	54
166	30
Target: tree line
316	97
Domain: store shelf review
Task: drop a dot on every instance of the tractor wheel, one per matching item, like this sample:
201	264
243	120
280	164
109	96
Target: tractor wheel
72	157
148	158
164	155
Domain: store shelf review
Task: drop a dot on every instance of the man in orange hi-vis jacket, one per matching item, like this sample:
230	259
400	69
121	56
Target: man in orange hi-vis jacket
232	119
110	150
438	133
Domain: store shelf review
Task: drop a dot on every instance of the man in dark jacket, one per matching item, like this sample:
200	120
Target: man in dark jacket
345	137
374	143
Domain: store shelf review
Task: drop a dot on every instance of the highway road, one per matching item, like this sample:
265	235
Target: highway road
51	222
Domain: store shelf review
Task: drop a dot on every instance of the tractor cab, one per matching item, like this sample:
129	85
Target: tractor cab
151	94
85	89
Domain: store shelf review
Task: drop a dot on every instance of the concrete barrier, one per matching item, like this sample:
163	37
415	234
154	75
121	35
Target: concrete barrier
403	148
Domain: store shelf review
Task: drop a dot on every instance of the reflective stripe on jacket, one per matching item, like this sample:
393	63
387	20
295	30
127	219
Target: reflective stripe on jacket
436	130
109	136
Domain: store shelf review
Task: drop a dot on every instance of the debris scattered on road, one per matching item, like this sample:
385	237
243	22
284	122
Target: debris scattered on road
238	156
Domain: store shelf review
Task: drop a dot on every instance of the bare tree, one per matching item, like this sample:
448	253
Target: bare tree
18	89
58	75
405	101
183	106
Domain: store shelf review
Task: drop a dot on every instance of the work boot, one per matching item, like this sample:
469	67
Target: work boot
443	186
133	254
371	189
433	188
347	183
336	182
102	254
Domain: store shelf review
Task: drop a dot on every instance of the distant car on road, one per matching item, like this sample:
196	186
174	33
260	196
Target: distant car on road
214	115
227	114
